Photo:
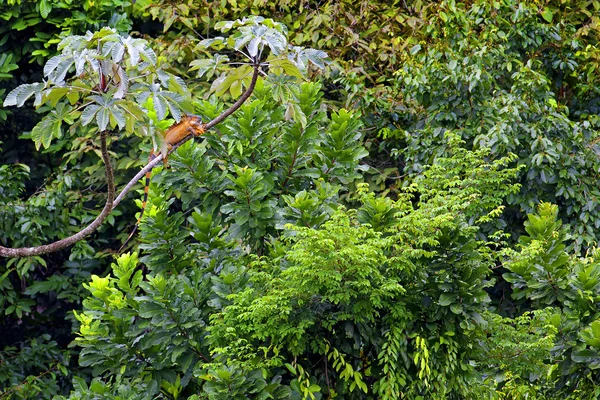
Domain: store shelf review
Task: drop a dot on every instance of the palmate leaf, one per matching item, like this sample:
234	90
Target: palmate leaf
111	112
19	95
139	49
89	113
116	50
209	66
50	126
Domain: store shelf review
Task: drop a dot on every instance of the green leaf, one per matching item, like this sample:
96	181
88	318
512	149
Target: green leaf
19	95
45	8
415	49
446	299
102	118
89	113
45	130
547	15
584	356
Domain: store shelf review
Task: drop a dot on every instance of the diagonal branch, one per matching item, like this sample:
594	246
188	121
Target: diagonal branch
66	242
207	126
111	202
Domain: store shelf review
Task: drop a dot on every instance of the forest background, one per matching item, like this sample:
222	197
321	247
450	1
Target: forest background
415	217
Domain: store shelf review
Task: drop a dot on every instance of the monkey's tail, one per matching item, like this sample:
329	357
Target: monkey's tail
144	201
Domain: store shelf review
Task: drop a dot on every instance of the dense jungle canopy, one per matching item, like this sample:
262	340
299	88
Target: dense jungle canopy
384	199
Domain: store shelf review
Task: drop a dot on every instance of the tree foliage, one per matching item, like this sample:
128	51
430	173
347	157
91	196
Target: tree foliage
417	222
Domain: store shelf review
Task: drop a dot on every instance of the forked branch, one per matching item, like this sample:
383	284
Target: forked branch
111	202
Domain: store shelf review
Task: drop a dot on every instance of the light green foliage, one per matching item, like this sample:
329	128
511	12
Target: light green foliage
540	271
327	287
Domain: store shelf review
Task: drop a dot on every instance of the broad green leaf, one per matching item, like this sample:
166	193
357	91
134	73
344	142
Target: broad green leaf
547	15
102	118
45	8
446	299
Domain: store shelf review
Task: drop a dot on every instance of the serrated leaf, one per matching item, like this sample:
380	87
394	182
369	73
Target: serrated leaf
88	114
253	46
51	64
61	70
117	117
160	106
132	50
122	81
102	118
19	95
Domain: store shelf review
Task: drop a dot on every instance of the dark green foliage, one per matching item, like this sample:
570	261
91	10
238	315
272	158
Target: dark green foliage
504	78
34	369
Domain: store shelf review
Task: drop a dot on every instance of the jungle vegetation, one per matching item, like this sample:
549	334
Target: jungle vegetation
392	199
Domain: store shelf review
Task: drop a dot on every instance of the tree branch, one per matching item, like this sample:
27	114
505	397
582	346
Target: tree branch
239	101
111	202
61	244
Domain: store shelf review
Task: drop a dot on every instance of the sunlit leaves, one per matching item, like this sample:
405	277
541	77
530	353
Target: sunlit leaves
19	95
233	82
103	81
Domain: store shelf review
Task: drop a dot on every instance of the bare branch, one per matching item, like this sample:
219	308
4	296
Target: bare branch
61	244
111	202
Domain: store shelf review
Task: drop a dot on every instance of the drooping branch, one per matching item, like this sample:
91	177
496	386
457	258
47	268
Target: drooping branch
66	242
111	202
